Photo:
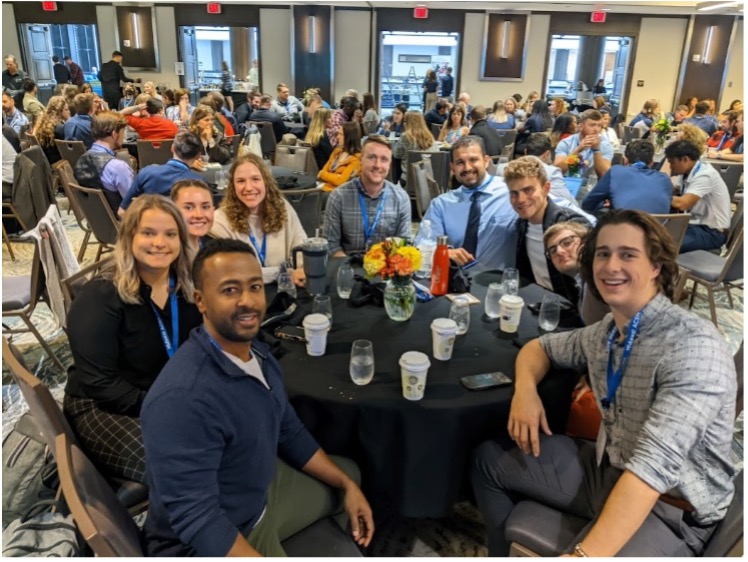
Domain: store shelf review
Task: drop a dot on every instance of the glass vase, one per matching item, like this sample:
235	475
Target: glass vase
399	299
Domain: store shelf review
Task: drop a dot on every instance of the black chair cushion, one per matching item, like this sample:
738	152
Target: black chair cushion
542	529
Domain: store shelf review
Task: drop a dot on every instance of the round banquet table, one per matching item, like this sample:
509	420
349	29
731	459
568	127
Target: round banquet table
413	454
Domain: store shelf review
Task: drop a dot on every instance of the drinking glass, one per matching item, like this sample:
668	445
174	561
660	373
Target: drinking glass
510	280
460	313
286	284
322	305
345	281
550	313
362	362
493	296
222	179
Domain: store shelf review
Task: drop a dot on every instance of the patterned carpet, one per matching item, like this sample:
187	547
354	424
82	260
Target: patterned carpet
460	534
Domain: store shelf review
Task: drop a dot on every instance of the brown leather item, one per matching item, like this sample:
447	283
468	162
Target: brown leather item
677	502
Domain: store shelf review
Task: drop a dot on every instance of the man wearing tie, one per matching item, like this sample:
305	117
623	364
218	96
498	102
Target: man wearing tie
477	218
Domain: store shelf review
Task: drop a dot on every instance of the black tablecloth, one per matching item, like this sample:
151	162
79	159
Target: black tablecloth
297	129
415	454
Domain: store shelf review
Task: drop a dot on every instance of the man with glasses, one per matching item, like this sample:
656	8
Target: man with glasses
528	193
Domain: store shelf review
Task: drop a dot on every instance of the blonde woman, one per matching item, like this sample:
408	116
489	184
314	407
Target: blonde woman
558	107
202	123
416	137
454	127
150	89
345	161
51	126
255	211
123	327
499	118
317	136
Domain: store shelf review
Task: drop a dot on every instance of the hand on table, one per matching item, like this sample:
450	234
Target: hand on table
359	512
298	276
525	415
460	256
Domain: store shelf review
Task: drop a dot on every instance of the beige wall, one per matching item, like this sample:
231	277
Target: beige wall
352	35
11	45
275	49
487	92
734	83
657	62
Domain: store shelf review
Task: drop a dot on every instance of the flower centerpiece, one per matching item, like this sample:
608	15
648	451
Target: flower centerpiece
661	129
574	165
395	262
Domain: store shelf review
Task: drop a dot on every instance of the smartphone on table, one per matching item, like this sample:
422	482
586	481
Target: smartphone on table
485	380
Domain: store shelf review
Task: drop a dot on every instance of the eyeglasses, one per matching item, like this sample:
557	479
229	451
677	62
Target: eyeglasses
565	243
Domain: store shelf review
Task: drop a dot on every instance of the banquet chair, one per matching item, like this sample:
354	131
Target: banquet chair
153	152
370	127
308	206
507	137
71	150
67	179
420	173
267	138
676	224
102	520
436	130
99	217
233	143
297	158
32	140
21	294
730	173
508	151
72	285
6	241
630	134
439	165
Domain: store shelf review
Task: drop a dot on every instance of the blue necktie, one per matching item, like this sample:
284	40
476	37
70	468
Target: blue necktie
471	232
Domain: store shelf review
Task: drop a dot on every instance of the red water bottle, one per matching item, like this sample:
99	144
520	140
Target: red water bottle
440	268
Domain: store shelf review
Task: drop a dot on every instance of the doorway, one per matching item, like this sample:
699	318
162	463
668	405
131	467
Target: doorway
578	62
405	57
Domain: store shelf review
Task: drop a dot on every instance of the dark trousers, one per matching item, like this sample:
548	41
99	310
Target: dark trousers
565	476
700	237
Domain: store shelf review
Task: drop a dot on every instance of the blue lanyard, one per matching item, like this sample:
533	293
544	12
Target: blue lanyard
369	230
170	346
725	137
694	171
615	377
261	251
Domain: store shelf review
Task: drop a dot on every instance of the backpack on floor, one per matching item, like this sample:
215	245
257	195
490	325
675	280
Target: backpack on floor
42	533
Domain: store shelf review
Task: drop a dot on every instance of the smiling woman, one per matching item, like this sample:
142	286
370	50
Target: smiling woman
195	201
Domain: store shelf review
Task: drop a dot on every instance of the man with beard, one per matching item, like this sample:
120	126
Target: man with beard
214	423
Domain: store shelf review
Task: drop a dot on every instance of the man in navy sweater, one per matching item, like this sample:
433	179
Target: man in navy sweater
214	423
635	186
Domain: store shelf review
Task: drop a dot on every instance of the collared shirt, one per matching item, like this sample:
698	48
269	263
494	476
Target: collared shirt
153	127
13	82
497	230
158	178
567	146
292	106
78	127
16	120
9	158
632	187
713	207
704	123
671	421
344	226
117	174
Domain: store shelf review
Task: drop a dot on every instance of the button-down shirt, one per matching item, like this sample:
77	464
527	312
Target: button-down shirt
13	82
78	127
158	178
117	174
567	146
16	120
713	207
344	225
635	187
671	421
497	230
292	105
704	123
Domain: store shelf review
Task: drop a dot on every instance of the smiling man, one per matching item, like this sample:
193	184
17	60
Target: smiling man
477	217
367	209
214	423
593	149
529	190
665	382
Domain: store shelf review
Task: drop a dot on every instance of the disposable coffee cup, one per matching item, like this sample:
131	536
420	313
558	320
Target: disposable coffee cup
510	311
443	333
414	366
316	327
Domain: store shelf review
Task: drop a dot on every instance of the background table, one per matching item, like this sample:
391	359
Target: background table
305	181
415	454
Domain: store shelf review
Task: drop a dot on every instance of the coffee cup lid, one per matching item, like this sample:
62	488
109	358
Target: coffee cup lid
316	322
444	326
415	360
512	300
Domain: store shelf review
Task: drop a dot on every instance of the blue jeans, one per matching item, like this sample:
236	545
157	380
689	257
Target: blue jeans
700	237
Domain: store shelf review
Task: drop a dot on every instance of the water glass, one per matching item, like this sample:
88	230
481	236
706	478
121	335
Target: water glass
550	313
322	305
493	296
286	284
222	179
510	280
362	362
345	281
460	313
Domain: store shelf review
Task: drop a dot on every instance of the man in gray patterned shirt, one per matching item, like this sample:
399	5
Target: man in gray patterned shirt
367	209
660	478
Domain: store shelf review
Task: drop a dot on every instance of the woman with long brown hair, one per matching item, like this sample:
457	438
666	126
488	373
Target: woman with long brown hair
454	127
416	137
51	126
255	211
345	161
202	123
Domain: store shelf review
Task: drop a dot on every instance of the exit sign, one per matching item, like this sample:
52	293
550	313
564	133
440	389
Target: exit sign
49	6
214	8
598	17
420	12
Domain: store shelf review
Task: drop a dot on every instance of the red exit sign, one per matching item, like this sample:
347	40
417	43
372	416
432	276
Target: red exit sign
420	12
598	17
214	8
49	6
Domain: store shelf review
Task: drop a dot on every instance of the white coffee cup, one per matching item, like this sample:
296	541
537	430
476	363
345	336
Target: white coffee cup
443	333
316	327
414	366
510	311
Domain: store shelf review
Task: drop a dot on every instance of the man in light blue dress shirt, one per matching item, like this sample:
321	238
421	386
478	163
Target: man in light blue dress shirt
449	213
594	150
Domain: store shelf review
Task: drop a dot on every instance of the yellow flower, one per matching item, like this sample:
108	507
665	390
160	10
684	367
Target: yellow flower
412	255
374	262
